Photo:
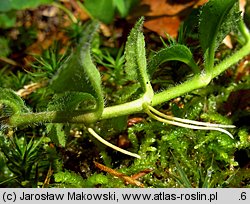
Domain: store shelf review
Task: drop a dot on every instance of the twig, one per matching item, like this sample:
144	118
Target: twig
127	179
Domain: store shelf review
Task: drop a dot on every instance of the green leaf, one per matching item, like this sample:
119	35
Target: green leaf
175	52
5	5
124	6
189	28
11	103
135	56
73	75
4	47
207	180
183	180
71	101
7	20
56	133
79	74
63	102
120	4
18	5
217	19
102	10
8	7
128	92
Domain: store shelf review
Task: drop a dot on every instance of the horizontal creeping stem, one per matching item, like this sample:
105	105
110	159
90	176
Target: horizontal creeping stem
75	116
198	81
201	80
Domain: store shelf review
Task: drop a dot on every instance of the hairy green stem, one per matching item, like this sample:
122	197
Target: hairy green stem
233	59
198	81
75	116
202	80
244	30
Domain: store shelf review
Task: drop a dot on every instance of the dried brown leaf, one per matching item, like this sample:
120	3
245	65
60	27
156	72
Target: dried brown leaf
165	16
